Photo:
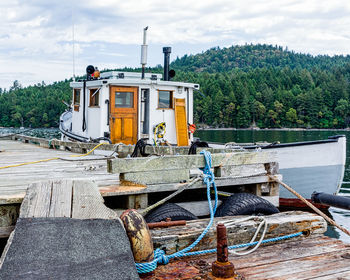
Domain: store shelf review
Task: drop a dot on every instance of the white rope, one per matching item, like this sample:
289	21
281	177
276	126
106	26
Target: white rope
244	251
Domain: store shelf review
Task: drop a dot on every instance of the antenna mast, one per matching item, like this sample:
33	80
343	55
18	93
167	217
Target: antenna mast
73	44
144	52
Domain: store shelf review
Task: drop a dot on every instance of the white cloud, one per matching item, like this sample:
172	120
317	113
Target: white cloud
34	34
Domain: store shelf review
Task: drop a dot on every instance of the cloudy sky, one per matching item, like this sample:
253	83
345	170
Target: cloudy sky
36	35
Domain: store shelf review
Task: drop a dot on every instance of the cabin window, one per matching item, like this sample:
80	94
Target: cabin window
165	99
94	97
76	99
124	99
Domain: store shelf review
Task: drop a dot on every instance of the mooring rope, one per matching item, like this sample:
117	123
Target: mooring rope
208	177
319	212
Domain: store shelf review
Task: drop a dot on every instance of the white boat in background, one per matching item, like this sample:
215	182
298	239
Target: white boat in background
124	107
306	166
311	165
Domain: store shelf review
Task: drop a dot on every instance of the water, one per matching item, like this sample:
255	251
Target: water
48	133
342	217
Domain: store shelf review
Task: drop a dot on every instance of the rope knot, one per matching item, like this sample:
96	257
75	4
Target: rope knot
161	256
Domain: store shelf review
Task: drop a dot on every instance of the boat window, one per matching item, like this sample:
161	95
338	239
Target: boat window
165	100
94	97
76	99
124	99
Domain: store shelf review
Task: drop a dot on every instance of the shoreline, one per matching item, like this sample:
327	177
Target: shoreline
277	129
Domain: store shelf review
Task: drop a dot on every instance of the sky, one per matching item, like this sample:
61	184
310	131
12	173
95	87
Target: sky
36	36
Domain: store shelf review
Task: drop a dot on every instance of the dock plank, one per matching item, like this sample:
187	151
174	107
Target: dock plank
300	268
61	200
314	257
88	202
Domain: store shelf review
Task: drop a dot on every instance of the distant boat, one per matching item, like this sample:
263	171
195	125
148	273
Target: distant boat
310	165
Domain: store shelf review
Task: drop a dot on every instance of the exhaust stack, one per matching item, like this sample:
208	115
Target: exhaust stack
144	52
166	51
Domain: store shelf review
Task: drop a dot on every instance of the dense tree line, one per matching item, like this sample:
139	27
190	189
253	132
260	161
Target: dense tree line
242	86
36	106
273	97
255	56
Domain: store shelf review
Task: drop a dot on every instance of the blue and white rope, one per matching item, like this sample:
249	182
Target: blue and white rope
159	255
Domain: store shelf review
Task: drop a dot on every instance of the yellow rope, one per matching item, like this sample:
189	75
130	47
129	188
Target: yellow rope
49	159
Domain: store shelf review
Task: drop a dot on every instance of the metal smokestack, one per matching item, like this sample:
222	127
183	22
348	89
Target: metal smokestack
166	51
144	52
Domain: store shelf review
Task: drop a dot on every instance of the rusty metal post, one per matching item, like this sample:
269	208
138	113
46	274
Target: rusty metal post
222	267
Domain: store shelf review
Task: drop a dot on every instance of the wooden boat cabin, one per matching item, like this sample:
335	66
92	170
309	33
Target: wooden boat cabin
123	107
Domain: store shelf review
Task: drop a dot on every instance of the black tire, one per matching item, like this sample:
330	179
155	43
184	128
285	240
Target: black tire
245	204
169	210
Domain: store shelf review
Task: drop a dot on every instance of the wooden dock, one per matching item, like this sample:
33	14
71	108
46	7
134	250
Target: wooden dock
127	182
319	257
73	235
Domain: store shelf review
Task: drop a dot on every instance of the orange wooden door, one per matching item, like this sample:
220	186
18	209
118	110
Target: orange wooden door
123	117
181	122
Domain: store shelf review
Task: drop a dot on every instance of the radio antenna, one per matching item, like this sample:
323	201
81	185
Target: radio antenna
73	43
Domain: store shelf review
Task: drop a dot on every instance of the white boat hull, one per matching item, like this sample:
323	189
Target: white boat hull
310	166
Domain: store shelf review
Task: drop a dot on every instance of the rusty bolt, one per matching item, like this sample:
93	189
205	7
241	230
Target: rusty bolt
222	267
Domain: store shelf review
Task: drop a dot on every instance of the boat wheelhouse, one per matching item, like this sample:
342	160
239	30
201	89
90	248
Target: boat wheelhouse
124	107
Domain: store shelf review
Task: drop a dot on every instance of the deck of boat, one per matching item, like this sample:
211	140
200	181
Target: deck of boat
319	257
14	181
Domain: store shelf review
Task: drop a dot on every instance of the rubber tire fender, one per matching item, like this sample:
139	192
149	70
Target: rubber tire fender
169	210
245	204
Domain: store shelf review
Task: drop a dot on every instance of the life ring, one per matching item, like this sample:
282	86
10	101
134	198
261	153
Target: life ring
192	128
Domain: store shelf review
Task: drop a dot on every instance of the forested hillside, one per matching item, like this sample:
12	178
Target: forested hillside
242	86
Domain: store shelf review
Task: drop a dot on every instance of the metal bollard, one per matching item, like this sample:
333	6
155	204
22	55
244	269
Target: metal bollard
222	267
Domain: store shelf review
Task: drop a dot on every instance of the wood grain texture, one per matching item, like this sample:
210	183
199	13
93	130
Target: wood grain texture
314	257
176	238
187	162
88	203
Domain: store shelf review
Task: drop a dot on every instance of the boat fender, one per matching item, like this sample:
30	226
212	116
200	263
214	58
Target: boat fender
245	204
139	235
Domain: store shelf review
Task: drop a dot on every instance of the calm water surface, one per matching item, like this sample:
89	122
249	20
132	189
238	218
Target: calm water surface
342	217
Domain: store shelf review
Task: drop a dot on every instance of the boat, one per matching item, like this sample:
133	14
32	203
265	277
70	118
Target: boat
125	107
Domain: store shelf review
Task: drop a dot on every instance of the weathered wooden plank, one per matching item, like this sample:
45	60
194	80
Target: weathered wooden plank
340	275
289	255
187	162
177	238
301	268
117	189
61	199
4	252
156	177
88	203
240	170
289	250
37	201
139	201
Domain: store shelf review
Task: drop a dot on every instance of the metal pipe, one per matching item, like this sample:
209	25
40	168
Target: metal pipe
166	51
145	99
165	224
331	200
144	52
83	127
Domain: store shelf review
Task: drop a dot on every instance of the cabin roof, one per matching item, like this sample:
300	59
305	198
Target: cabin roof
131	78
